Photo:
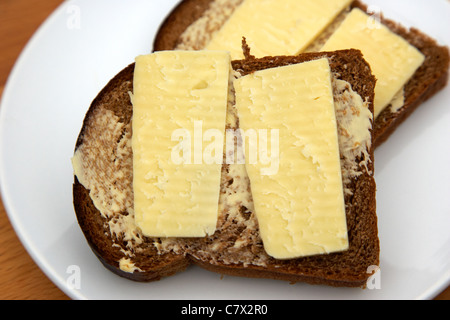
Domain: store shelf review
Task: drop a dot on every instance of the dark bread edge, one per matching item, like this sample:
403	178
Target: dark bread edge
181	17
261	273
426	82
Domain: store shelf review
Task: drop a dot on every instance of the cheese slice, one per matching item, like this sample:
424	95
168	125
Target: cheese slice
392	59
177	96
274	27
300	208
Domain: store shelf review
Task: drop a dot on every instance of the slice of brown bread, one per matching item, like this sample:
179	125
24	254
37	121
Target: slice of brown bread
103	197
431	77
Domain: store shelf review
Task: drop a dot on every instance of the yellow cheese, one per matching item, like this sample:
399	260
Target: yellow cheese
177	96
392	59
274	27
300	208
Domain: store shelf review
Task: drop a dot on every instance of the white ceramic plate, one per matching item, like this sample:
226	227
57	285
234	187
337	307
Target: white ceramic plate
83	45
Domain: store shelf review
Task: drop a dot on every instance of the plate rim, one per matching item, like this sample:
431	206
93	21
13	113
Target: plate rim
38	258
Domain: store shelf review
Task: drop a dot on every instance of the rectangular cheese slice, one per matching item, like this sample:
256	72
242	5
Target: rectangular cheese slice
300	208
274	27
392	59
179	110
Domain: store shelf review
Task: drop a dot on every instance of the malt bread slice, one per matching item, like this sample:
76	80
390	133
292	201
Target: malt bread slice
430	78
148	259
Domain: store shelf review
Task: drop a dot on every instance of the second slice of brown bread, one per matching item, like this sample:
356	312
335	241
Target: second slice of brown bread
430	78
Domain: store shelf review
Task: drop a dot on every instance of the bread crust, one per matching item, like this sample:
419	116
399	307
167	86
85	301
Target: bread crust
339	269
183	15
431	77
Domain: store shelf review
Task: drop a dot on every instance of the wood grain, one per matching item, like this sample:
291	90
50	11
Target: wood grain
20	277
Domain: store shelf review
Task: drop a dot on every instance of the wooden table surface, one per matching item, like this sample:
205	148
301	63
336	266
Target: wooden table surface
20	277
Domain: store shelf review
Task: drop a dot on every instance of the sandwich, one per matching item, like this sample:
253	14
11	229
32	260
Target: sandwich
274	29
106	189
107	193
